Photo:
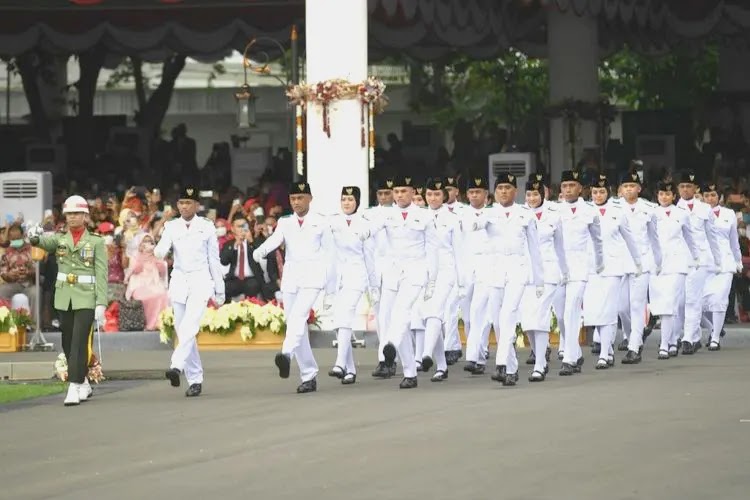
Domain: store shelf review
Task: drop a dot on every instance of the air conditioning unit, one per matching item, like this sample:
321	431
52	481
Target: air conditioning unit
26	193
520	165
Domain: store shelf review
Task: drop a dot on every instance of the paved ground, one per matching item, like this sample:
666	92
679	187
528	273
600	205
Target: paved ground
661	430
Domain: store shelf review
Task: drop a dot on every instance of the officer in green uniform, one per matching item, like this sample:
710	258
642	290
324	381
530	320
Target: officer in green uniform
80	290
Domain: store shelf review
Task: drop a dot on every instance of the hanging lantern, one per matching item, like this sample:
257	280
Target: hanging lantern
246	115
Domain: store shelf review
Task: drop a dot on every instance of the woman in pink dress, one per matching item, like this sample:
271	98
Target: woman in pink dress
147	281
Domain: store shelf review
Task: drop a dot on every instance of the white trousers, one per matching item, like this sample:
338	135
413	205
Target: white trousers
573	300
344	311
397	305
297	341
476	324
694	294
452	340
187	319
633	300
716	292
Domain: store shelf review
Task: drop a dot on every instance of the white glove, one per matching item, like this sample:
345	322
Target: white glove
34	231
638	270
258	255
564	280
539	292
740	267
600	268
328	301
99	315
374	295
219	298
461	292
429	290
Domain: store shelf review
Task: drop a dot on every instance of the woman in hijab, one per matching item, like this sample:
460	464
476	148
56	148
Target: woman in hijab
147	281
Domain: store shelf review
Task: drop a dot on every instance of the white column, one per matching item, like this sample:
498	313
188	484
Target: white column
734	76
573	48
336	42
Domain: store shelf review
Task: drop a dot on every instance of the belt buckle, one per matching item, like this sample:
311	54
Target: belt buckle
71	278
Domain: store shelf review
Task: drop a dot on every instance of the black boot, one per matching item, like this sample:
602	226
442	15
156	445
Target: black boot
381	371
309	386
510	379
631	358
283	363
470	366
531	360
173	375
194	390
478	370
623	346
687	348
567	370
408	383
499	374
427	363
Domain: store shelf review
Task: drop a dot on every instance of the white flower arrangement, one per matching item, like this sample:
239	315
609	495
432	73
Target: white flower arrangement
13	319
247	315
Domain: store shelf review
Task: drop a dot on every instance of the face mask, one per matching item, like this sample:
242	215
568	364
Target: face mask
16	243
742	231
221	232
109	239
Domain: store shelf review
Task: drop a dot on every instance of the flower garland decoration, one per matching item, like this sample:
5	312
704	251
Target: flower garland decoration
370	94
248	315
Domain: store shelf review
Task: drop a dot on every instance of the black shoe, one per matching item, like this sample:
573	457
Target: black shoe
499	374
548	353
714	346
531	360
439	376
697	346
173	375
578	366
336	372
450	357
392	370
408	383
631	358
470	366
478	370
427	363
419	366
724	332
687	348
623	346
283	363
194	390
649	327
389	352
596	348
567	370
510	379
309	386
381	371
349	378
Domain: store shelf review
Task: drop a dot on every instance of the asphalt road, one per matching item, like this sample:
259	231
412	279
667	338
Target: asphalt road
677	429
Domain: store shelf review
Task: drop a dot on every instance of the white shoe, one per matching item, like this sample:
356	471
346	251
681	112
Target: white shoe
84	390
73	397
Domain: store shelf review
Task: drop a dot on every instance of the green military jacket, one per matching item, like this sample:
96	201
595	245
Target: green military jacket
88	258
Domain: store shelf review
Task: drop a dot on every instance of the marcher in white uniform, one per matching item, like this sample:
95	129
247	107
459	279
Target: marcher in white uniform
355	273
452	339
634	290
444	240
378	245
412	271
679	254
196	277
716	294
417	321
702	224
601	297
514	254
536	312
581	233
476	246
308	265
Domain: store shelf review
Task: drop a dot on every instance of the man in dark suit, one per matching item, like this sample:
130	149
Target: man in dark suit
245	276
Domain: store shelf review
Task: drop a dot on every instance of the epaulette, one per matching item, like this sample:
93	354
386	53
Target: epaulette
525	207
650	204
681	208
616	201
551	206
589	204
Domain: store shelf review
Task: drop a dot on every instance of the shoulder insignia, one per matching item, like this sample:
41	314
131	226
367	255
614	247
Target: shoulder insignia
589	203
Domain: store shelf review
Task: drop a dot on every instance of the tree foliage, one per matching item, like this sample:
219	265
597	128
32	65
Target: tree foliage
676	80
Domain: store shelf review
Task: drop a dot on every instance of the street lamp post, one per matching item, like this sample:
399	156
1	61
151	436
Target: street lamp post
246	98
